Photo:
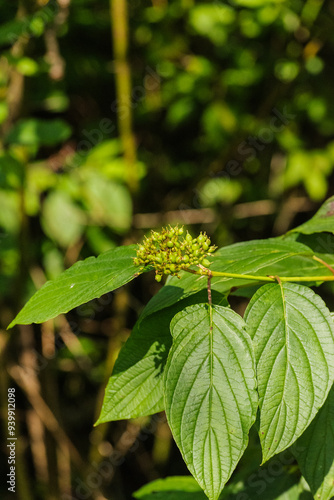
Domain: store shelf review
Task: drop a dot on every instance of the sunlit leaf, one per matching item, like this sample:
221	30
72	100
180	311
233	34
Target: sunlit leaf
210	392
82	282
293	337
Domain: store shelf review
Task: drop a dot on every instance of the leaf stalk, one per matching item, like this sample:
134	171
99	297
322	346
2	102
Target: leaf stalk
205	271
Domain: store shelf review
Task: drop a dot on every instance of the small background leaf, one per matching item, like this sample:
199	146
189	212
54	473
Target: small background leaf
35	132
62	220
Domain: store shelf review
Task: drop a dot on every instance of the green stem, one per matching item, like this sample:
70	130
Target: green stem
271	279
119	26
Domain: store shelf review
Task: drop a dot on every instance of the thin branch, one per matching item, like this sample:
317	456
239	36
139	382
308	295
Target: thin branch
270	279
119	26
323	263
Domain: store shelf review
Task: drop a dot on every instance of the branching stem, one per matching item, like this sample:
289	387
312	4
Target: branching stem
271	279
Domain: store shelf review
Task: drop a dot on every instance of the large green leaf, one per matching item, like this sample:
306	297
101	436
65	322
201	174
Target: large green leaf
293	338
315	452
210	392
322	221
253	257
136	385
82	282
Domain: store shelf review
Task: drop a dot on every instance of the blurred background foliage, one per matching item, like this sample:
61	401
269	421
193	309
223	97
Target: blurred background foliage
117	118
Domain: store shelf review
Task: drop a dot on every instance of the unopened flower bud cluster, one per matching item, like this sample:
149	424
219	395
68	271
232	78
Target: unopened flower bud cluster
170	251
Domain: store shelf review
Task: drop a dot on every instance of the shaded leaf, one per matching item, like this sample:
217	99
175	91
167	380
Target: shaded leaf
35	132
315	451
171	488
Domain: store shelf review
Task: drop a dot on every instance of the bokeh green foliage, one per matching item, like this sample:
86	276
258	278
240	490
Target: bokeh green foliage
208	78
231	103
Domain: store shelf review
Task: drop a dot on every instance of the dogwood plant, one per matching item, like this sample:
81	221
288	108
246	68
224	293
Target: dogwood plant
215	373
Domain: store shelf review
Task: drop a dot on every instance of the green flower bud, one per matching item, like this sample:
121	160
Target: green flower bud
206	263
173	257
158	278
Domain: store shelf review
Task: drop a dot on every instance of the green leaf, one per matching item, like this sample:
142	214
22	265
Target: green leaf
11	172
253	257
82	282
109	203
33	25
322	221
210	392
35	132
274	481
293	336
171	488
136	386
62	220
12	30
251	4
314	452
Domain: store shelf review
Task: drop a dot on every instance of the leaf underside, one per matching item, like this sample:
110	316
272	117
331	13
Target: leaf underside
210	392
293	339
